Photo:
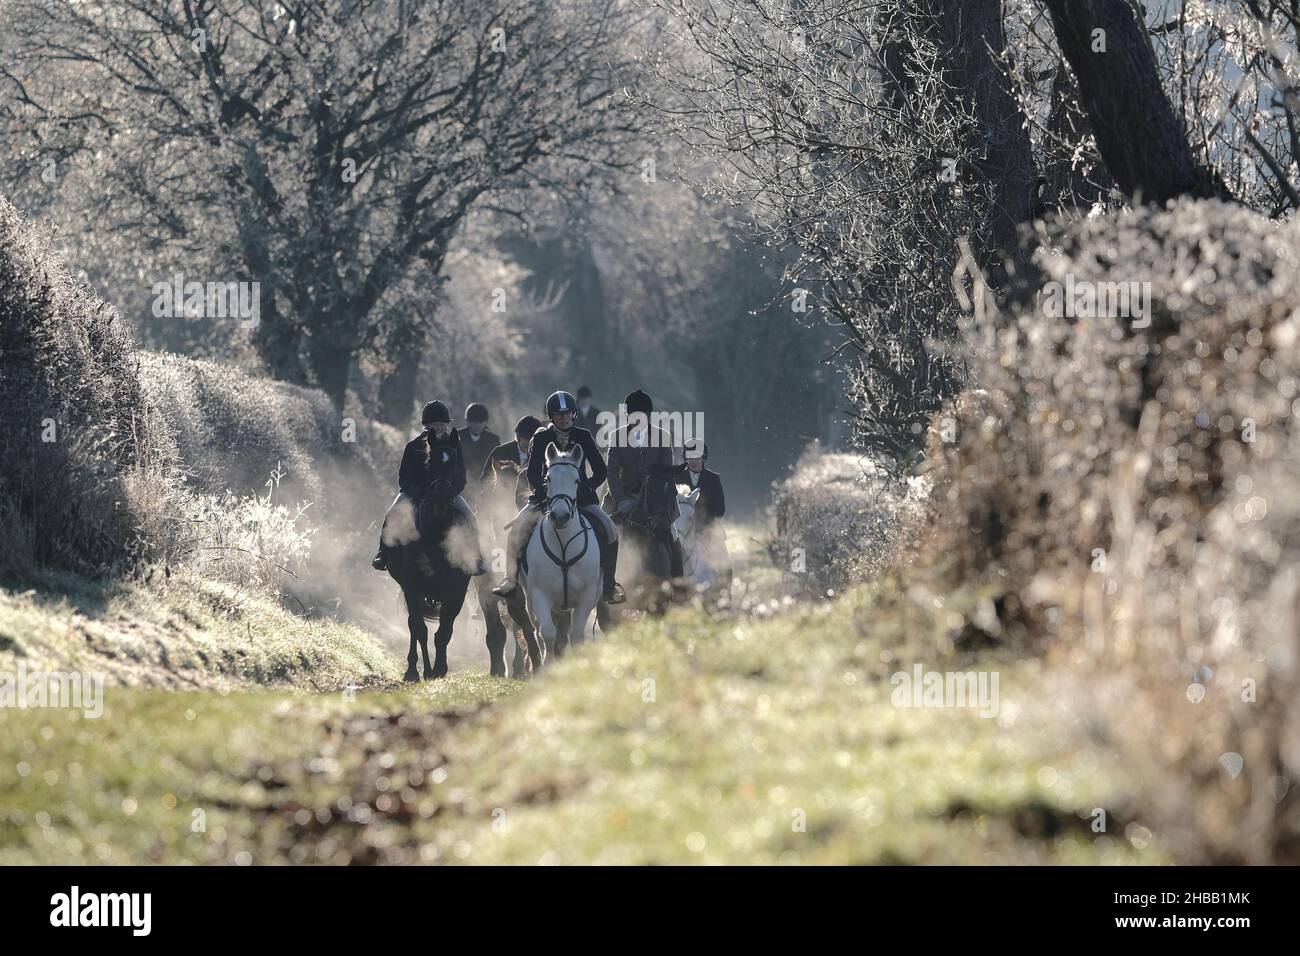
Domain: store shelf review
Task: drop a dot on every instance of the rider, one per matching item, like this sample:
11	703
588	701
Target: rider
713	505
476	443
636	450
433	455
506	468
587	415
563	434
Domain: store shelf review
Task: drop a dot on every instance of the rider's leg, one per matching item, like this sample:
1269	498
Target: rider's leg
677	560
380	561
520	531
467	516
607	536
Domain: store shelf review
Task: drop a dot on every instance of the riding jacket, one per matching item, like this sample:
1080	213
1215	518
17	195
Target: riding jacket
712	504
410	476
631	461
591	459
476	453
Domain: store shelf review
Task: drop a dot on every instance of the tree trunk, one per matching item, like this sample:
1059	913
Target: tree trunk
333	366
1141	140
279	343
974	38
397	398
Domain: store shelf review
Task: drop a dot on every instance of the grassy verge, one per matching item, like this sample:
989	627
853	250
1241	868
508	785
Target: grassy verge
182	631
767	738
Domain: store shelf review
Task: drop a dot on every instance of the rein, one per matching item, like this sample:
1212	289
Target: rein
562	560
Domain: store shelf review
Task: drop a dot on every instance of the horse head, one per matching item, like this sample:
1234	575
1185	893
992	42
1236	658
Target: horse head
684	525
435	508
563	471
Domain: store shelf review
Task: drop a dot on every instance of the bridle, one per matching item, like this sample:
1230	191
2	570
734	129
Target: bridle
562	560
550	499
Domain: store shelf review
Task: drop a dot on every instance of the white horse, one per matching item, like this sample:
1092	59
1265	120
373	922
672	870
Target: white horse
705	564
563	556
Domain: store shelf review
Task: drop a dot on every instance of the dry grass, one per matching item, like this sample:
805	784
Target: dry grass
1128	496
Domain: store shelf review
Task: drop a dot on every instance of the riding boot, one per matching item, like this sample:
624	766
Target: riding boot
677	562
613	592
509	585
521	530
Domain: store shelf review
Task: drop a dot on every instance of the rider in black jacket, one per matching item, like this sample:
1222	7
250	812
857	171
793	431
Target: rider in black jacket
431	456
713	504
562	433
476	444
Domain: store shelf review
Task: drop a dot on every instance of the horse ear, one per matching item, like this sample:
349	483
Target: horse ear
577	454
552	453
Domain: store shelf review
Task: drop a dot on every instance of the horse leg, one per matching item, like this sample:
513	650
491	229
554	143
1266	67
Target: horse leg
540	608
442	637
496	631
419	632
605	617
560	623
577	626
519	614
518	666
580	617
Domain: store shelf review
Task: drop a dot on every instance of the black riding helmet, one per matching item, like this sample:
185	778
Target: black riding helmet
435	412
476	412
638	401
527	426
697	448
560	402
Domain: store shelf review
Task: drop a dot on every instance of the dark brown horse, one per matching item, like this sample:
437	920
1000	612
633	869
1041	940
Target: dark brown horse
647	534
427	576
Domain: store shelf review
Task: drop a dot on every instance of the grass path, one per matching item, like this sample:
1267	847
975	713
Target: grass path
757	739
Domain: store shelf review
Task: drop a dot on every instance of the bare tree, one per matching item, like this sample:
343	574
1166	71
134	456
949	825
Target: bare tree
869	136
324	148
1143	142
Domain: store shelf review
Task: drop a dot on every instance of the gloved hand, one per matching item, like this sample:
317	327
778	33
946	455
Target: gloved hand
625	506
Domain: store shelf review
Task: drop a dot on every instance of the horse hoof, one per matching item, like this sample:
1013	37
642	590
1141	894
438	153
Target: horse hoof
411	676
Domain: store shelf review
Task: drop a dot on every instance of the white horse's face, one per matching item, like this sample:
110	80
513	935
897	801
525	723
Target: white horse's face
562	471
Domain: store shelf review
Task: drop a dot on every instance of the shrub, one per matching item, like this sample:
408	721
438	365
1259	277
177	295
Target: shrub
82	448
1130	492
229	428
251	541
838	518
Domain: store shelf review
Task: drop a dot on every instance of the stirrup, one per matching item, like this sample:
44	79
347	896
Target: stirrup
616	595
